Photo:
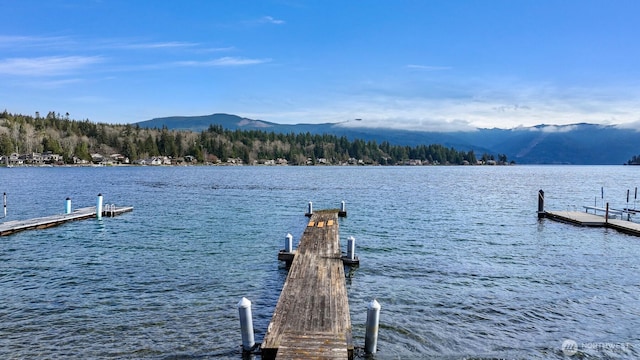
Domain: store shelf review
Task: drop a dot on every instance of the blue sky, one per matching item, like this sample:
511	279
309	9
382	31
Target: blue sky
429	65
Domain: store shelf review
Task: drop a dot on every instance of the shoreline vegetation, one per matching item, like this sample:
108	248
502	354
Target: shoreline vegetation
56	140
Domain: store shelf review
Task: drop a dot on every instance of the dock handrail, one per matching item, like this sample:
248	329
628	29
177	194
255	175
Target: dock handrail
596	209
110	209
612	211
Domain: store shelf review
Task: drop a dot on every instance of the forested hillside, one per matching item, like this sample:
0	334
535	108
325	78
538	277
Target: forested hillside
54	133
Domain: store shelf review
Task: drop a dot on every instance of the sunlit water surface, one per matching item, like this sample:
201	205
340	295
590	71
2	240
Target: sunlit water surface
456	257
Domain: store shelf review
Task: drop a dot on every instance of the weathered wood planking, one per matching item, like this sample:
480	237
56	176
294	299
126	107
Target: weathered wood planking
311	319
11	227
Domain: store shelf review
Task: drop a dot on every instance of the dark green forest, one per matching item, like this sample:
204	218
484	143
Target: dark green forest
73	139
635	160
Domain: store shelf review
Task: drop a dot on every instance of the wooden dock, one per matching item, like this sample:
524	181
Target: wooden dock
311	319
11	227
591	220
607	220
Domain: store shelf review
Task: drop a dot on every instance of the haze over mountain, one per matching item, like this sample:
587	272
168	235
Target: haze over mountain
583	143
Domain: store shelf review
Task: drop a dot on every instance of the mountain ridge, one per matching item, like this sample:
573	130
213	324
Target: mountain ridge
579	144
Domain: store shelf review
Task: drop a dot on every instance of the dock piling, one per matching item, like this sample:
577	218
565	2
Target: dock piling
288	243
343	209
4	202
351	248
67	206
351	259
373	320
246	324
540	204
99	207
310	210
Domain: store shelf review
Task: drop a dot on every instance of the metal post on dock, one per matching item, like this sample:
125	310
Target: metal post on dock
310	210
99	207
4	202
627	208
628	198
288	243
351	248
540	204
67	206
343	209
246	324
371	335
606	215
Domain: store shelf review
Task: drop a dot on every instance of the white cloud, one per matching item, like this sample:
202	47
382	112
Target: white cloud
481	107
223	61
428	67
160	45
46	66
632	125
19	41
271	20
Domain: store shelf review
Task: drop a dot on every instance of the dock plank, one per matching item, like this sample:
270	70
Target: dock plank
311	319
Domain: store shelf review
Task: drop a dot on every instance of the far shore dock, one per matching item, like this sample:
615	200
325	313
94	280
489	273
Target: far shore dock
12	227
609	218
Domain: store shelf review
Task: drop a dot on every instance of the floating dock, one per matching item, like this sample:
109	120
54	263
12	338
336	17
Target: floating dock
591	220
11	227
311	318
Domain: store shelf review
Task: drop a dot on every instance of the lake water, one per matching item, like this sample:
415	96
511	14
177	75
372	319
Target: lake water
456	257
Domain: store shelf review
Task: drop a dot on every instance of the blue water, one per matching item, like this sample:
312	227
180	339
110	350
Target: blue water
456	257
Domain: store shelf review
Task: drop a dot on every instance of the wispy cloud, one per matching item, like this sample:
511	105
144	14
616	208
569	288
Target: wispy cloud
270	20
52	84
223	61
428	67
632	125
159	45
218	49
265	20
46	66
516	107
18	41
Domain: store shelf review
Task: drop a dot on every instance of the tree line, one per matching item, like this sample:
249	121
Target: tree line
635	160
69	138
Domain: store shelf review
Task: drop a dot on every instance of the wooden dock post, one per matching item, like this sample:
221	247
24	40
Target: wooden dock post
540	204
4	202
311	318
